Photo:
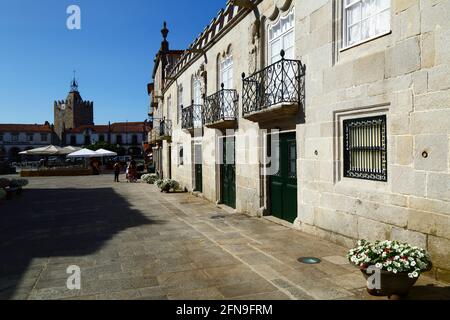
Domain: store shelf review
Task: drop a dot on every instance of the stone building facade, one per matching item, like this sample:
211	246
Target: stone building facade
72	113
128	137
15	138
340	124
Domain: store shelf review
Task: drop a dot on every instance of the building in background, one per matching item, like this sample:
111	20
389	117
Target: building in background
332	115
72	113
15	138
127	137
73	125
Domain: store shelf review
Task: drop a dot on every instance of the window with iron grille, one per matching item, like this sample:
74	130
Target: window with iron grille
365	148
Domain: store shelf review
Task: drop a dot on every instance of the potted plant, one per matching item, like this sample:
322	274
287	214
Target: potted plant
167	185
150	178
17	185
397	265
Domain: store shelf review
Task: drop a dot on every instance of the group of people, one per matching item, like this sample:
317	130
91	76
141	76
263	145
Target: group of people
130	172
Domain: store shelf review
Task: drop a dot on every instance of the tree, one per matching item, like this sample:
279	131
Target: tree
103	145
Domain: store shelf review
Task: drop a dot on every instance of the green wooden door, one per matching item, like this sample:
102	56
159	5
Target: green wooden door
228	173
283	184
198	168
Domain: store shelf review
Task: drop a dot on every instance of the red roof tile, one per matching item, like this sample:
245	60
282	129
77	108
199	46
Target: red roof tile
119	127
44	128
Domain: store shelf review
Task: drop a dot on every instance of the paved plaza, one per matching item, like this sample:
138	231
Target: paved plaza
133	242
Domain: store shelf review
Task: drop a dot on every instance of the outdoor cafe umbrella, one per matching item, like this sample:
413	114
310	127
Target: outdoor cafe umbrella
69	149
43	151
105	153
83	153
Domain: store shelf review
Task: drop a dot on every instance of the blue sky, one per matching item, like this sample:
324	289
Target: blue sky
112	53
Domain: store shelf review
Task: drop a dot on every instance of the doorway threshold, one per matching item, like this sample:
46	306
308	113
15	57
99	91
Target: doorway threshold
226	208
279	221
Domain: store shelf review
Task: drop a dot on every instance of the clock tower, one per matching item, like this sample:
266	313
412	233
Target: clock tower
72	112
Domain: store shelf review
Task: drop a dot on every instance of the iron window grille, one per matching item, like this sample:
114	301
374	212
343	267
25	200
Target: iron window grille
365	148
192	117
281	82
221	106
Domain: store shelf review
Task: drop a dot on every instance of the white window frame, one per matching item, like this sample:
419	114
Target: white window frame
169	107
226	67
197	91
281	36
180	101
345	27
197	98
44	135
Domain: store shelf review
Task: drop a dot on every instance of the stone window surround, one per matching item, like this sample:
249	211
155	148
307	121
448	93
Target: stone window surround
338	140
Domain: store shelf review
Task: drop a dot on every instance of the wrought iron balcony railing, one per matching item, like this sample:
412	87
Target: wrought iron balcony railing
192	117
281	82
165	129
221	106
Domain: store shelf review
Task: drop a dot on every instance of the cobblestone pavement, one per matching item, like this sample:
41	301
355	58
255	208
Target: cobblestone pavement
132	242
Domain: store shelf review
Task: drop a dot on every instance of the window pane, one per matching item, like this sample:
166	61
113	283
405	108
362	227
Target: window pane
371	16
289	45
354	14
354	34
275	49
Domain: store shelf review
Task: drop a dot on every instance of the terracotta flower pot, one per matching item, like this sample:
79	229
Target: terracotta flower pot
393	285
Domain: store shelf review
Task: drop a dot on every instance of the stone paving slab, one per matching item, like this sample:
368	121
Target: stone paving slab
133	242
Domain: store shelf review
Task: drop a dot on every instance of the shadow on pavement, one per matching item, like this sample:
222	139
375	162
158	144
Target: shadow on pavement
429	292
58	223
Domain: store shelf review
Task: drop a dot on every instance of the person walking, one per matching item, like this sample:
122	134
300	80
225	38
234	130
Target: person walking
116	171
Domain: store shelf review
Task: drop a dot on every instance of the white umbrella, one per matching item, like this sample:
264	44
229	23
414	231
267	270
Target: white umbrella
70	149
43	151
105	153
83	153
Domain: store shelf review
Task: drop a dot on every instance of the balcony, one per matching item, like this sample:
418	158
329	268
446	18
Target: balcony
221	109
192	118
165	130
153	136
275	93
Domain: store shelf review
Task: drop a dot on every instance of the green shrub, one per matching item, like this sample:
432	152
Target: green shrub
2	194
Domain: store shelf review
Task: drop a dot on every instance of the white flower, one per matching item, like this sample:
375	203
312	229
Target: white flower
394	270
413	263
379	265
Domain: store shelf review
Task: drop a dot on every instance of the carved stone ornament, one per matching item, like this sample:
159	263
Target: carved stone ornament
279	6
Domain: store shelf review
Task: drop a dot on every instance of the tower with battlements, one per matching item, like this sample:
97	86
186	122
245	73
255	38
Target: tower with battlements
72	112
